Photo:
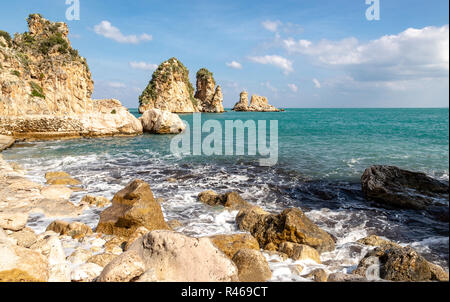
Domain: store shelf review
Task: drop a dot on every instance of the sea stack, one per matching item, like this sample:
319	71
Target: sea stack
169	89
46	87
257	104
210	98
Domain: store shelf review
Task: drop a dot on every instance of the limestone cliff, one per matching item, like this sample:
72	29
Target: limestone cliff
169	89
257	104
46	87
210	97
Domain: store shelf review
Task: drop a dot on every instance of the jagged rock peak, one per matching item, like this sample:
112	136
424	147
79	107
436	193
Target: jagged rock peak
169	89
210	97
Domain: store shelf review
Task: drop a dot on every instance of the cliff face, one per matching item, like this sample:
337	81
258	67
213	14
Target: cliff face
210	97
169	89
257	104
45	88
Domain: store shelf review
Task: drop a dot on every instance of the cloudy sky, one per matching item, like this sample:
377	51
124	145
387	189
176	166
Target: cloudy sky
309	53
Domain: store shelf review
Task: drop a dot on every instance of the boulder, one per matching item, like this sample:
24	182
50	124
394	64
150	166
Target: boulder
13	221
318	275
86	272
140	231
174	224
75	230
51	247
392	186
175	257
102	259
299	251
230	244
56	192
95	201
25	237
132	207
341	277
123	268
161	122
6	142
79	256
18	264
291	225
252	266
230	200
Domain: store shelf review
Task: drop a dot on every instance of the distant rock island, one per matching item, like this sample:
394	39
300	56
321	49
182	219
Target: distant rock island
257	104
170	90
46	87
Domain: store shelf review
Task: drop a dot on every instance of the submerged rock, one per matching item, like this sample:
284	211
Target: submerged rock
395	187
291	225
252	266
132	207
161	122
229	200
175	257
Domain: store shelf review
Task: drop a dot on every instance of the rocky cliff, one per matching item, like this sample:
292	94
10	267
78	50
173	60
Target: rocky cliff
257	104
210	97
46	87
169	89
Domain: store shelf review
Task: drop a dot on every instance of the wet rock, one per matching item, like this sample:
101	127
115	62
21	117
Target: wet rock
86	272
374	240
291	225
124	268
299	251
132	207
252	266
438	273
61	178
318	275
56	192
341	277
102	259
176	257
394	263
230	200
395	187
95	201
13	221
161	122
231	244
25	237
18	264
75	230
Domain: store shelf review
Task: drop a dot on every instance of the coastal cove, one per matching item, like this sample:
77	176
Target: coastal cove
322	155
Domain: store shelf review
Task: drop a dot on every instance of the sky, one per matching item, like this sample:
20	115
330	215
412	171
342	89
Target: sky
303	53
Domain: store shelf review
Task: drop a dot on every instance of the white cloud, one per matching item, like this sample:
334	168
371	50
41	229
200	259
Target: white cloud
271	25
293	87
269	86
106	29
116	85
411	54
316	83
143	66
235	65
274	60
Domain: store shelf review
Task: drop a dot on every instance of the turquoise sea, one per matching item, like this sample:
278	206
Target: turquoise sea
322	155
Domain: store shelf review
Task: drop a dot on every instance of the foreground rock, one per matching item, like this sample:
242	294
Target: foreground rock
46	87
395	187
13	221
123	268
170	256
76	230
161	122
231	244
6	142
393	262
290	226
132	207
210	97
252	266
95	201
257	104
299	251
230	200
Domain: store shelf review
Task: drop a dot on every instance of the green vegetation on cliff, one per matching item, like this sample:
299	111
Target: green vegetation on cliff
7	37
204	74
162	75
36	90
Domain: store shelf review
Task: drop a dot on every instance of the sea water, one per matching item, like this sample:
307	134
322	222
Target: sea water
322	155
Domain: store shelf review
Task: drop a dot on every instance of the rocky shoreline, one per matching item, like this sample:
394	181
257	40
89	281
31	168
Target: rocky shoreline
133	243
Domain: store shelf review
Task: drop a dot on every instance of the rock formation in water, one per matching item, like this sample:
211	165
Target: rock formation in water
210	97
161	122
257	104
169	89
46	87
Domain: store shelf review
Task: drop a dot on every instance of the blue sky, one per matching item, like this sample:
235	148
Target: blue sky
310	53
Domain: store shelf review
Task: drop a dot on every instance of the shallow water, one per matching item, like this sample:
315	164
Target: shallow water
322	154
